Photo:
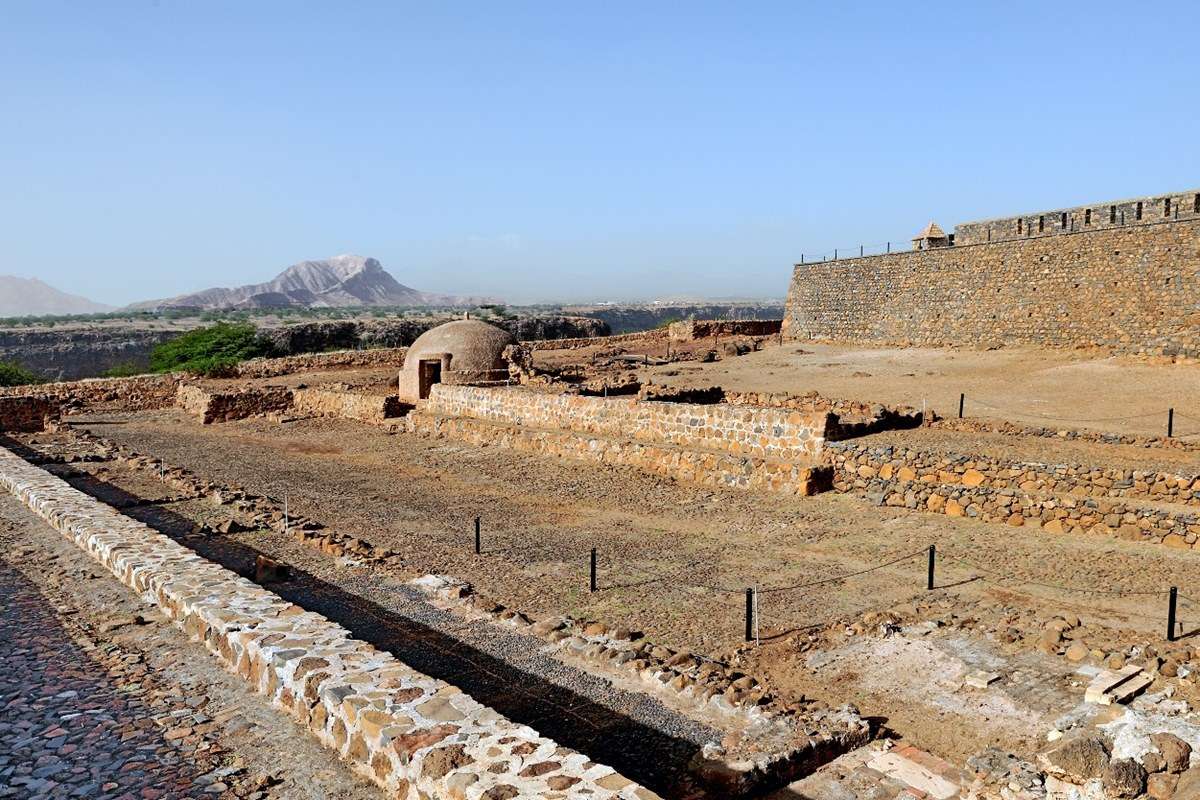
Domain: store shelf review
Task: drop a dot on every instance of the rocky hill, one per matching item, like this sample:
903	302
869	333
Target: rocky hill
338	282
29	297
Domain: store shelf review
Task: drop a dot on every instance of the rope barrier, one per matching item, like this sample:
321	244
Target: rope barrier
774	589
1060	587
1068	419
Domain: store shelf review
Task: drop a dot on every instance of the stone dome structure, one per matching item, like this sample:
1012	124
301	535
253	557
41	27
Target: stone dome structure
462	351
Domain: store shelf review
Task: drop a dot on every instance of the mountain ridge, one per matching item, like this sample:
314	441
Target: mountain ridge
30	297
339	282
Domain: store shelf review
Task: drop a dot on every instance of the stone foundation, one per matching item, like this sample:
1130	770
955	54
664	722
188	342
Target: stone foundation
369	408
1018	495
762	433
140	393
27	413
212	406
382	357
706	468
415	736
658	335
693	329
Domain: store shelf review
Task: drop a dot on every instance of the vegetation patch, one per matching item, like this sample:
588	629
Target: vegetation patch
214	350
13	374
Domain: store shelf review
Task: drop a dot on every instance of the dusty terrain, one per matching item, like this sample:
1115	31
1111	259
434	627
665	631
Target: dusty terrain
675	560
1052	388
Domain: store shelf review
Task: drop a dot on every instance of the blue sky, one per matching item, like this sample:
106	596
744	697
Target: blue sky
563	151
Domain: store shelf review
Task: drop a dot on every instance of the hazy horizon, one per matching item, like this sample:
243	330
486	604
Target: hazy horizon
542	153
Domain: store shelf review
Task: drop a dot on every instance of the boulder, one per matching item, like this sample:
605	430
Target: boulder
1124	777
1079	758
1176	753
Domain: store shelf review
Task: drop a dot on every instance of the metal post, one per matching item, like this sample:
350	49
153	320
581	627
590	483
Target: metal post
1170	422
1171	614
835	254
932	558
802	258
749	614
860	251
889	247
962	399
593	569
478	537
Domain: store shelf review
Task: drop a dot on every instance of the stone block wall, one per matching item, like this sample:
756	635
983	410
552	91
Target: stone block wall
413	735
27	412
211	406
140	393
703	467
346	405
1097	216
595	341
692	329
1133	289
1019	495
766	433
390	357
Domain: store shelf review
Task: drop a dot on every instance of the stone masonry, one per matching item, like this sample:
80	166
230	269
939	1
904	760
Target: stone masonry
767	433
1132	288
413	735
27	413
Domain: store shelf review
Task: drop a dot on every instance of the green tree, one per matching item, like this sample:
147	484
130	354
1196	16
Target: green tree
13	374
210	351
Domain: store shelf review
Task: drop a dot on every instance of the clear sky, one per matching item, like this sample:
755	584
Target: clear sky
563	151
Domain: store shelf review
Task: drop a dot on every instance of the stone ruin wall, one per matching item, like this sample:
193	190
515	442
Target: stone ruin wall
1056	498
1131	289
374	409
28	413
701	467
692	329
594	341
764	433
409	733
213	406
382	357
140	393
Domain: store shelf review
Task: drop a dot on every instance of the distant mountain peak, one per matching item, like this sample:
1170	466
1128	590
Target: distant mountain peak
337	282
21	297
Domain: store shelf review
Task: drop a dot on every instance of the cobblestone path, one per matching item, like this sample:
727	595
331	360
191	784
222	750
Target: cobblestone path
71	728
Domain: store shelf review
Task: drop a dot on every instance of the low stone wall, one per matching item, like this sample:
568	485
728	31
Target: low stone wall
346	405
691	466
27	413
1073	479
976	425
390	357
739	430
213	407
692	329
955	494
656	335
139	393
415	736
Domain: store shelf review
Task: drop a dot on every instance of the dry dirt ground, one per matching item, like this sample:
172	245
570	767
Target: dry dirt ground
1077	389
675	560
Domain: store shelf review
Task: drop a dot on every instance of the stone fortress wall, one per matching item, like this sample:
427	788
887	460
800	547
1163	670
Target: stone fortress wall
1131	287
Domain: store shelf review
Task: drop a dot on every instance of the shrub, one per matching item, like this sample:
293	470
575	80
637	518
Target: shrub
13	374
210	351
